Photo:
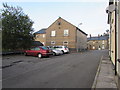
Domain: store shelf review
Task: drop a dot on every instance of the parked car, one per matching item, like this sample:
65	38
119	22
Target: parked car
54	51
39	51
64	49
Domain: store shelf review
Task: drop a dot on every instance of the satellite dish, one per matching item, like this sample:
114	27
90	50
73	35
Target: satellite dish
110	8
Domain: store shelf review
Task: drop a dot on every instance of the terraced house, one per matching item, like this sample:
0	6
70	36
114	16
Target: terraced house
61	32
113	11
41	36
98	42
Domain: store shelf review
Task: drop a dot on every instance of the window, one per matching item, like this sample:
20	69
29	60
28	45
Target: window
93	47
44	47
43	35
31	48
37	48
66	32
52	42
103	47
65	43
103	42
57	47
53	33
110	2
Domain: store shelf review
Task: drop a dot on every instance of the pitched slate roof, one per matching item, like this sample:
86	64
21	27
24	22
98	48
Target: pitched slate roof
42	31
98	38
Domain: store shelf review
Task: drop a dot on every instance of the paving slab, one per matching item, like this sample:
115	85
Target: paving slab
105	77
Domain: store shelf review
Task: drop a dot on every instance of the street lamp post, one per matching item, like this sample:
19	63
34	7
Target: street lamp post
79	24
77	39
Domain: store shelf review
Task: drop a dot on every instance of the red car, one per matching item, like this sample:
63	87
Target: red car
38	51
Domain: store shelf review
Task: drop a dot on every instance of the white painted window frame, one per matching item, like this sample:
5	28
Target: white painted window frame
66	32
53	33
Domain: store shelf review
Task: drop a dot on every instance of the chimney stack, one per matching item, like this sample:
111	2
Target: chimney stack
98	35
90	35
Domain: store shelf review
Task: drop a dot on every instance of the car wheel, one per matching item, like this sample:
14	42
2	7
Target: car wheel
54	54
39	55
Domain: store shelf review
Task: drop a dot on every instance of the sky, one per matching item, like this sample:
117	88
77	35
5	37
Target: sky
91	13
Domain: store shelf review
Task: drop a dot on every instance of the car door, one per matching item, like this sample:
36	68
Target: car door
30	51
36	51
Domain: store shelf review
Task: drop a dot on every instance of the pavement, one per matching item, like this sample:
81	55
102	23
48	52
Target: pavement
105	77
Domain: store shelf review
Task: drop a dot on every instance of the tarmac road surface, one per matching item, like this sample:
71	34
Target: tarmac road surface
74	70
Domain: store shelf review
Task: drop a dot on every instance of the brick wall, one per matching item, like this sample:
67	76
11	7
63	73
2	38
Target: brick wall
59	38
41	38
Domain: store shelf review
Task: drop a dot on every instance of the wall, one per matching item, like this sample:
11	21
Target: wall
112	43
97	43
81	41
118	56
59	38
113	37
41	38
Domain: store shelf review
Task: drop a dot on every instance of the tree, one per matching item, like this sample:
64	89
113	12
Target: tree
16	28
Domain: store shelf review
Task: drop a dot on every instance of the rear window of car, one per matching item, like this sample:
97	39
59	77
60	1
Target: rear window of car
45	48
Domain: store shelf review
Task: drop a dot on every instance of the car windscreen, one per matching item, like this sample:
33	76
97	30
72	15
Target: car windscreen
58	47
51	48
37	48
31	49
45	48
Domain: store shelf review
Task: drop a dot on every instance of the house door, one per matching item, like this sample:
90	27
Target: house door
90	47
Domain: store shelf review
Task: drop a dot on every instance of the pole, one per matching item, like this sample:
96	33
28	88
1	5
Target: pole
116	37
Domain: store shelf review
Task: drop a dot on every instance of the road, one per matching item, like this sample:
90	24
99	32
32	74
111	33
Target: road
74	70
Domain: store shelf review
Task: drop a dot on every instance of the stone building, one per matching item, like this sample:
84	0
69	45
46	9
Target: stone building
113	11
61	32
41	36
98	42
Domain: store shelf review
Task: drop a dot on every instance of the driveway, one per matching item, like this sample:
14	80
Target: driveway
74	70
